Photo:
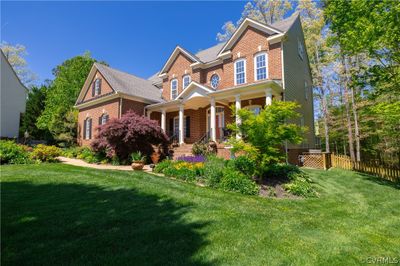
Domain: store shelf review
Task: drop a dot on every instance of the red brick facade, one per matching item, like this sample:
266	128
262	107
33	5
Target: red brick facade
105	88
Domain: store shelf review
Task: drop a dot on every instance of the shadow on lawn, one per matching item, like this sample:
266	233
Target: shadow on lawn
380	180
80	224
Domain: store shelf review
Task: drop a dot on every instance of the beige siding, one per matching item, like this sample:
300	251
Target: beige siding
297	72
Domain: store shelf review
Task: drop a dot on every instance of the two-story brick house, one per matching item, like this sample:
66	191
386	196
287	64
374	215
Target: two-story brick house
191	95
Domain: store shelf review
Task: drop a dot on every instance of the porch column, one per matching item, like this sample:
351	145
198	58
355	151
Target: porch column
181	133
163	119
212	121
238	106
148	114
268	96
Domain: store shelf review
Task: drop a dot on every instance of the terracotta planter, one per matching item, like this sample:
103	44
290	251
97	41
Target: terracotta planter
155	157
137	165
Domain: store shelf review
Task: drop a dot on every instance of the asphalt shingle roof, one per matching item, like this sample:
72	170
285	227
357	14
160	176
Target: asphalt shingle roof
130	84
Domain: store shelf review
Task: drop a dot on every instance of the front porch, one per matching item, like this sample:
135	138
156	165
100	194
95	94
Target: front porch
201	113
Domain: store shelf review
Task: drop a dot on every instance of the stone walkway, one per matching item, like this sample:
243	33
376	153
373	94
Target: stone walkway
78	162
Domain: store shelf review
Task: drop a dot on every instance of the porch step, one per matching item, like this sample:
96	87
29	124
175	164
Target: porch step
183	150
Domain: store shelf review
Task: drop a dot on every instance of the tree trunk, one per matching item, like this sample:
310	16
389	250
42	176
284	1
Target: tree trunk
347	107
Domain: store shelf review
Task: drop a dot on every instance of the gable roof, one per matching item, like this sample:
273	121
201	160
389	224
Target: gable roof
174	54
155	78
210	54
124	83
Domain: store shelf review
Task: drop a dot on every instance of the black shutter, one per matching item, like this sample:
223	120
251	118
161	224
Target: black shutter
100	118
84	129
107	117
171	127
187	127
90	128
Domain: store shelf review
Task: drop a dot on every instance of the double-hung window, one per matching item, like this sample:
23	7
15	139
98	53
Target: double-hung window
174	88
186	81
88	128
240	72
260	66
97	87
103	119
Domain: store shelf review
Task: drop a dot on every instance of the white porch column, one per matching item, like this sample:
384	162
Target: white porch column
148	114
213	132
163	119
181	133
238	106
268	96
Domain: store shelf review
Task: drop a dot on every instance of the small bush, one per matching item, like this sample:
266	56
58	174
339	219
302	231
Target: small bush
300	185
90	156
279	171
71	152
213	170
244	164
161	166
45	153
13	153
236	181
183	173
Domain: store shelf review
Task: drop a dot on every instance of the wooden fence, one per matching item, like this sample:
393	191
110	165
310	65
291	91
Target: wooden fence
344	162
326	161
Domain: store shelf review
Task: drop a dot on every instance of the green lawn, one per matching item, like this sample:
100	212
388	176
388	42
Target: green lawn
57	214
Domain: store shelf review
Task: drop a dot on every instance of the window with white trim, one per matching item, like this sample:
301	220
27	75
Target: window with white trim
300	49
186	81
214	81
255	109
103	119
240	72
97	87
260	66
174	88
88	128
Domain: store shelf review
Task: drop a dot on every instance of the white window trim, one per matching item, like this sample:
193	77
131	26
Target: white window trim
97	90
245	71
219	80
255	65
87	131
248	107
173	80
183	80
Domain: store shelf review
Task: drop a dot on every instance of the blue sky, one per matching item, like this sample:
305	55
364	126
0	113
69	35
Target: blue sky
136	37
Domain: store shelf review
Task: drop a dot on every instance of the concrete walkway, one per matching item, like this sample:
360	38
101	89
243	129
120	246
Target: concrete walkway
78	162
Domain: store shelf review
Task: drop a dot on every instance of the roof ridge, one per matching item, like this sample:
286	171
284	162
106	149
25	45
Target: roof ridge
120	71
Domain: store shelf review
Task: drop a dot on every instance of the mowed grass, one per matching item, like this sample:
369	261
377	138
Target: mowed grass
58	214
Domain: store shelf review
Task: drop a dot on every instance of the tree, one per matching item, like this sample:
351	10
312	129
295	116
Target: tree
264	11
34	107
16	57
264	134
128	134
61	96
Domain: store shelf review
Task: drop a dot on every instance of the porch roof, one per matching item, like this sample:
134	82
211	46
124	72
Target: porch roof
197	95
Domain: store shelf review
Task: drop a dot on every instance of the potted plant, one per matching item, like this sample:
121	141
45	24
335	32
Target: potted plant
137	160
155	156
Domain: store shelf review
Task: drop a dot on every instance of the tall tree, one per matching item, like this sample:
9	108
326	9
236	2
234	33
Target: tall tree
69	79
15	54
265	11
34	107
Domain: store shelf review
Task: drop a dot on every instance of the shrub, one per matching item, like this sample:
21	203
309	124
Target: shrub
244	164
130	133
199	149
71	152
161	166
300	185
279	171
236	181
213	170
182	173
90	156
45	153
13	153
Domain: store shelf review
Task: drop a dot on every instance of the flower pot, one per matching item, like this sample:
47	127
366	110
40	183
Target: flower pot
137	165
155	157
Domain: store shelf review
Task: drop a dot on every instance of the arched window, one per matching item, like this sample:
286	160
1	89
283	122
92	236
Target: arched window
260	66
174	88
87	128
214	81
240	71
186	81
103	119
96	87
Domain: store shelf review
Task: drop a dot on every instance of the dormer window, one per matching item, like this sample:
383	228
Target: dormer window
300	49
214	81
260	66
174	88
186	81
96	87
240	71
